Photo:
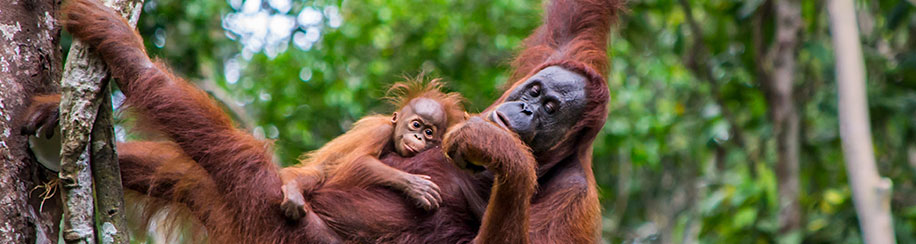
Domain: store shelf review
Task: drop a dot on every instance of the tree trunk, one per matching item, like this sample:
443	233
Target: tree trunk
871	192
29	64
784	115
83	95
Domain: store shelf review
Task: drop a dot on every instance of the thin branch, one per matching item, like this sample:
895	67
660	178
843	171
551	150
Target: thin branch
871	192
110	219
82	85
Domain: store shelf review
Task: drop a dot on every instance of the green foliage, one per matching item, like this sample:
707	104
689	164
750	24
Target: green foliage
670	163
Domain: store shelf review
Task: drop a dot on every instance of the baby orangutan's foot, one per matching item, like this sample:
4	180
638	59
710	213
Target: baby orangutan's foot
422	190
293	204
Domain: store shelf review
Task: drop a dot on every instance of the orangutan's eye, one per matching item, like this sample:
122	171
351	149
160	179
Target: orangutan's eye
550	107
535	91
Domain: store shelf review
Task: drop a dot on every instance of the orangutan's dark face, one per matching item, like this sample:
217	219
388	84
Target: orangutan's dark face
543	108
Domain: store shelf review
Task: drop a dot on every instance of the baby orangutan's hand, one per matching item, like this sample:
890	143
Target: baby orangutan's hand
422	190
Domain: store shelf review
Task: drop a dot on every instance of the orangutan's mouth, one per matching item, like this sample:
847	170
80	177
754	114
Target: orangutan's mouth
410	149
500	120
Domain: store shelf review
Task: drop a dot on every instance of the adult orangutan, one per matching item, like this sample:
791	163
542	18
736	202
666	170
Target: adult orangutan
226	179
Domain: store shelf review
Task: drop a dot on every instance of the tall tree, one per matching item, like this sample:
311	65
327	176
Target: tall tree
871	192
776	72
30	63
783	111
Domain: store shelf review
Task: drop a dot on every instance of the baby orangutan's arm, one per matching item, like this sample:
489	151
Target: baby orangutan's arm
364	171
353	157
368	170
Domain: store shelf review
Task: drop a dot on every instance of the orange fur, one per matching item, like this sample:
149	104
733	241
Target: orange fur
371	134
400	94
366	141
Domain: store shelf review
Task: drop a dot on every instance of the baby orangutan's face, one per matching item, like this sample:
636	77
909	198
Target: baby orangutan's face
418	126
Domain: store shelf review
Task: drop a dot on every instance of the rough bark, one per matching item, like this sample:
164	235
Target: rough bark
871	192
29	64
82	83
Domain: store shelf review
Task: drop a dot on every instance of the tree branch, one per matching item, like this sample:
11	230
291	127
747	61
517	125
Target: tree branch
110	219
871	192
82	82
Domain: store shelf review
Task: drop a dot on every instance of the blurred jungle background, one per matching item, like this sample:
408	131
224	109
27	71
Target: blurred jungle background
691	148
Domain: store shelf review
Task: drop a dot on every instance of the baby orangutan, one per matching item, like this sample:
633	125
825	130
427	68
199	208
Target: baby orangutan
425	112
